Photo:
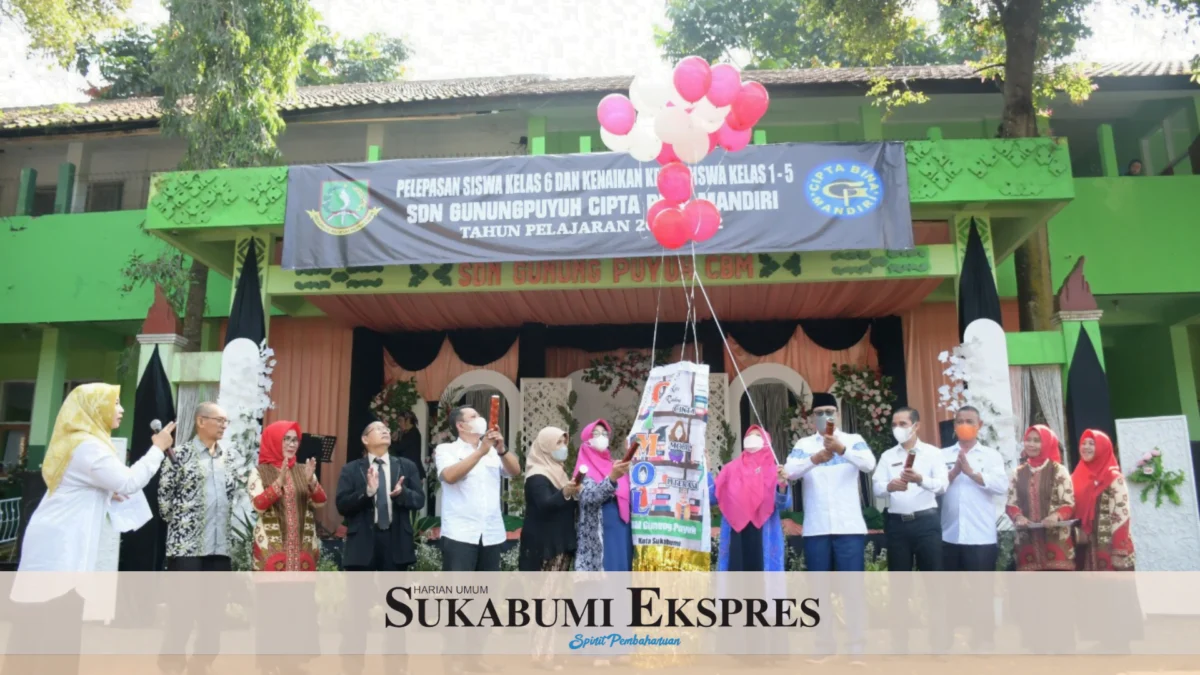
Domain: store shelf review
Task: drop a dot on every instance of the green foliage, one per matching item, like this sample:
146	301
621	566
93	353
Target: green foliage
168	270
1006	540
1152	475
331	59
869	394
225	66
57	28
396	399
514	499
571	426
628	371
125	61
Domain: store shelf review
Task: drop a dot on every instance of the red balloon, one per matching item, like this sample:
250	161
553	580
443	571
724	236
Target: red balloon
670	229
712	141
667	155
692	78
703	218
655	209
675	182
748	106
733	139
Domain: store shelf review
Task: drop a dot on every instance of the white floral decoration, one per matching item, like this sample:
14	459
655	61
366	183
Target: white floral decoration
960	371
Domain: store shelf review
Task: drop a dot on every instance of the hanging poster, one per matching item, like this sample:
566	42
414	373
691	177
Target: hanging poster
669	482
782	197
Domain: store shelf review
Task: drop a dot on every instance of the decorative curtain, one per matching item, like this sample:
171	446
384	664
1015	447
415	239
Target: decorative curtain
1018	383
771	400
1047	383
803	355
445	367
191	395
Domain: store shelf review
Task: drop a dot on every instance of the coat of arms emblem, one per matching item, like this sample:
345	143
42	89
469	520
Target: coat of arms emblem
345	207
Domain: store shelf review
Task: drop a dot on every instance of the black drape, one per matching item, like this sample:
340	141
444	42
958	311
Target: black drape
761	337
144	549
413	351
1087	395
835	334
246	317
481	346
366	380
531	352
977	296
887	337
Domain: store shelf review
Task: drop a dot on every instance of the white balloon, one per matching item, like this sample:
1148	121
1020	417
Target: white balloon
693	147
650	92
709	117
672	125
644	144
614	142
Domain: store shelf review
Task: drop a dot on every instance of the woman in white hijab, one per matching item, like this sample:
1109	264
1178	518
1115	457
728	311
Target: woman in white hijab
83	476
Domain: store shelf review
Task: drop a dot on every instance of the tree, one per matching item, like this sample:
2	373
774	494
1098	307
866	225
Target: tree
126	61
224	67
57	27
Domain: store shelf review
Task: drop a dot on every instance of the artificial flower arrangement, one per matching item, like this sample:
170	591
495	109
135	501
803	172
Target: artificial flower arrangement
1152	475
396	398
869	394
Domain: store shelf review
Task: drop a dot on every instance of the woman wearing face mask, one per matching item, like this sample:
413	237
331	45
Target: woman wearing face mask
605	537
548	538
1102	507
1042	493
750	491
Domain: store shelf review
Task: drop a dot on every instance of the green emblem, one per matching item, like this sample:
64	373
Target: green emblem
345	207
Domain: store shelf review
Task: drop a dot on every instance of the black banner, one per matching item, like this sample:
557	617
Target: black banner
772	198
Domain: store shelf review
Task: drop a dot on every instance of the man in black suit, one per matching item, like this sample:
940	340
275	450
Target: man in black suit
408	445
377	496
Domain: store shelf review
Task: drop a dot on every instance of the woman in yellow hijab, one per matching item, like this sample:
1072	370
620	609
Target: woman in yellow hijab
83	475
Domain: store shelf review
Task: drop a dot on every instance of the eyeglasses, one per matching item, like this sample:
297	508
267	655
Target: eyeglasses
222	421
291	441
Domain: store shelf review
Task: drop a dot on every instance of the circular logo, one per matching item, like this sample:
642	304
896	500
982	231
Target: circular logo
642	474
844	189
345	207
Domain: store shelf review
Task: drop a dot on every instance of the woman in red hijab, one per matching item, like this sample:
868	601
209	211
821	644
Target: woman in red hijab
1040	499
1101	506
284	494
750	491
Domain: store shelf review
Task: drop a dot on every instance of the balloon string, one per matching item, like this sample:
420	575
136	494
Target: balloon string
690	306
725	341
657	309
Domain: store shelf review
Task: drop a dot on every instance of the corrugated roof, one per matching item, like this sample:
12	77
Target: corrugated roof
377	93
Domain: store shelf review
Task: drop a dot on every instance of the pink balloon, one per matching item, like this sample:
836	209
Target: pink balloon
655	209
726	83
670	229
616	114
748	107
732	139
712	141
675	182
667	155
703	218
692	78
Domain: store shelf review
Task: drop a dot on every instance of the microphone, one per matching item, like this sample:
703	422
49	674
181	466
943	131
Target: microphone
156	426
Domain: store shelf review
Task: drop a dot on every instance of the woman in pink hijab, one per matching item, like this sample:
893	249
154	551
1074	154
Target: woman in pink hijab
605	537
750	492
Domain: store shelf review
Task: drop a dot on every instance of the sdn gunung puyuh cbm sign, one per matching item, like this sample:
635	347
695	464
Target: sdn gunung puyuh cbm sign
772	198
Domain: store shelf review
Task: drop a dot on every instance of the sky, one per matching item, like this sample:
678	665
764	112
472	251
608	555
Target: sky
568	38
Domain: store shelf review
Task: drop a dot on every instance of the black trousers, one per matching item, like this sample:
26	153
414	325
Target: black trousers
458	556
36	627
975	602
194	610
967	558
383	558
914	540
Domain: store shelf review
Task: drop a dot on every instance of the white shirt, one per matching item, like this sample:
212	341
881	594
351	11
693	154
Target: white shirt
385	481
968	508
471	507
831	497
63	534
914	498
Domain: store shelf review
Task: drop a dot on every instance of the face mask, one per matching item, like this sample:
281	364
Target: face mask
479	426
823	420
966	432
902	434
752	443
560	453
600	442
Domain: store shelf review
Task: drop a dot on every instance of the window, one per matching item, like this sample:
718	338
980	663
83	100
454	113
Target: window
104	197
71	384
16	402
43	201
12	438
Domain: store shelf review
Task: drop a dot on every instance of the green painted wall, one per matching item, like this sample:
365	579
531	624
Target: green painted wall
67	268
1139	235
1141	371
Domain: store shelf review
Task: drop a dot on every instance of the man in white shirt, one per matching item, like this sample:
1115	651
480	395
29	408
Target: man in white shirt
470	470
835	534
914	532
976	477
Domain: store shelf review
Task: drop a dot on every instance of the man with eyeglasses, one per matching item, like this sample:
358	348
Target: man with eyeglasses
195	499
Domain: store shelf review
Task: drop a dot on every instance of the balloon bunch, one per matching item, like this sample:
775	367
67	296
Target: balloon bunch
677	120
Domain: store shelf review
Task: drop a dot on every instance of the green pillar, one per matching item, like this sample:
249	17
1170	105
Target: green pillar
536	135
585	144
871	117
760	137
1108	151
26	191
47	394
1185	378
64	191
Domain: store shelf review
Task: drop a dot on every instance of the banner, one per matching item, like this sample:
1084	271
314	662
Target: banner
773	198
669	477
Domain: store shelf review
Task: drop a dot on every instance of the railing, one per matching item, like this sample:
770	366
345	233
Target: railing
10	519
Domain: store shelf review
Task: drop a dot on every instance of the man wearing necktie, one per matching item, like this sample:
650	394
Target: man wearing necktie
377	496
